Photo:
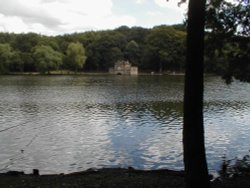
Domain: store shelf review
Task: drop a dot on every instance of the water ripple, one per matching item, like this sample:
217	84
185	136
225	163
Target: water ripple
70	123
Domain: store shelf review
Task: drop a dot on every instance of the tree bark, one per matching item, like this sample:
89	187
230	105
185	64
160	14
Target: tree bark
193	130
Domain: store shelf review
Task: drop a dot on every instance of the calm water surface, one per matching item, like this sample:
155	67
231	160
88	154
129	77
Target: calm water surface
62	124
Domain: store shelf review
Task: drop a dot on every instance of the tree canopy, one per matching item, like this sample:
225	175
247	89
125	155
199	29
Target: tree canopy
47	58
98	50
159	49
228	39
75	56
5	57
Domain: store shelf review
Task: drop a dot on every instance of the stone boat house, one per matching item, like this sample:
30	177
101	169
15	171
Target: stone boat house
123	68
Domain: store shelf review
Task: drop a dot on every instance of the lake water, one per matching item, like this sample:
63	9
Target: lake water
63	124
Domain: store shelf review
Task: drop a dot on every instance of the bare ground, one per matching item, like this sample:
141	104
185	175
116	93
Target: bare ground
112	178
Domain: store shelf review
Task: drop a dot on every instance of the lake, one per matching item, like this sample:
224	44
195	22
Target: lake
63	124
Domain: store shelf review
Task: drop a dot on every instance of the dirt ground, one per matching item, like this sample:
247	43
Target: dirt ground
111	178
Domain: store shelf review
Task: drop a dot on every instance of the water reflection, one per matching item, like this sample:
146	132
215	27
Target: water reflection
71	123
137	132
227	130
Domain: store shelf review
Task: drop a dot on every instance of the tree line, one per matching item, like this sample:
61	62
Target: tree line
159	49
32	52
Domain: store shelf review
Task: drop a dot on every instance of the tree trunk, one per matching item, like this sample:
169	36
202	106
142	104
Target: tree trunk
193	130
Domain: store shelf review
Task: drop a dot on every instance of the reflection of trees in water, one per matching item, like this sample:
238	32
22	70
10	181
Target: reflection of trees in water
232	107
166	110
136	114
160	111
227	105
163	111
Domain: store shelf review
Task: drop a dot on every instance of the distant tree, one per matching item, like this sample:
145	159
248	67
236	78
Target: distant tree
5	56
7	37
25	42
75	56
105	49
28	61
123	29
46	59
138	34
62	43
89	37
115	54
16	62
132	52
164	49
180	27
49	41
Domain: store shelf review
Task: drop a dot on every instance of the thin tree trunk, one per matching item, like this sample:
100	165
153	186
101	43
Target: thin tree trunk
193	130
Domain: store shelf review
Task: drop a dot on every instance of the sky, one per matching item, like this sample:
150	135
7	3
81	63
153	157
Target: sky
55	17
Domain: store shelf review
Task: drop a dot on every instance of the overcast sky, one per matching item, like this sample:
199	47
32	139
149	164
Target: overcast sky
53	17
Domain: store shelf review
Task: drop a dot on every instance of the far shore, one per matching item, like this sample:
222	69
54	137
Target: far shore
65	73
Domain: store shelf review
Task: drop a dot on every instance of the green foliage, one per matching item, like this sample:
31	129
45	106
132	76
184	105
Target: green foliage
237	56
5	56
132	52
165	49
161	48
16	63
25	42
228	18
27	61
46	58
102	48
7	38
49	41
227	49
76	57
105	50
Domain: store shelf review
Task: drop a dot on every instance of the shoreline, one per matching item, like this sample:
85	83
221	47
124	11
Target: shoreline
113	178
70	73
98	74
99	178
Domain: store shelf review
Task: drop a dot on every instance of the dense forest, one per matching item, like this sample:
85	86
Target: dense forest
159	49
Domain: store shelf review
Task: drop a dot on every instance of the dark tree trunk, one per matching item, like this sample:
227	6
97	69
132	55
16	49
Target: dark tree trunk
193	130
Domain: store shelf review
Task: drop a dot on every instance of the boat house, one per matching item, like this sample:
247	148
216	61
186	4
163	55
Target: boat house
123	68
